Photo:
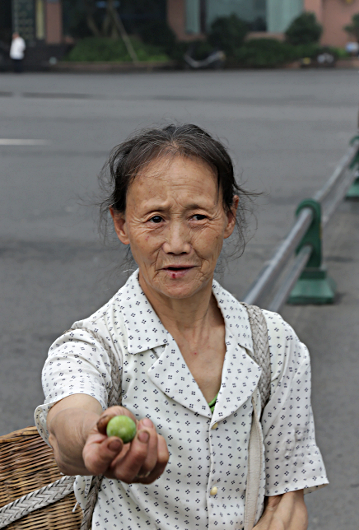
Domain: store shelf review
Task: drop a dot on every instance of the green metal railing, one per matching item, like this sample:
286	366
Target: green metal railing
306	281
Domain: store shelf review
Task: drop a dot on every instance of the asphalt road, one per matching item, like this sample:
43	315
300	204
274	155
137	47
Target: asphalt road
285	129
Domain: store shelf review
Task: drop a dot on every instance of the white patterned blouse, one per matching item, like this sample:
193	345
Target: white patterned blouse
204	483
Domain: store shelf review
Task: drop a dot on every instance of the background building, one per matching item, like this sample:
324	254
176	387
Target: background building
333	15
46	25
35	20
191	18
39	22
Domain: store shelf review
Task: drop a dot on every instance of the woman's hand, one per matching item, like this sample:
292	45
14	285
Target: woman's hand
77	434
284	512
143	460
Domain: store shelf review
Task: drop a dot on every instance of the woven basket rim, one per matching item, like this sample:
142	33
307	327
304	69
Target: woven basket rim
31	430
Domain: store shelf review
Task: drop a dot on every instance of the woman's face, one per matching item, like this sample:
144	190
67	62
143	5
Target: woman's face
175	224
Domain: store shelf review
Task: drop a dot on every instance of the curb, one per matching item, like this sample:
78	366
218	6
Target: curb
348	63
142	66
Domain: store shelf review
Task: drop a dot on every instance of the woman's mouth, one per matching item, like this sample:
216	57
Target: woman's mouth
177	271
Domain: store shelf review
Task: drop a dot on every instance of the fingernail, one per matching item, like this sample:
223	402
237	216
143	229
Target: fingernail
102	422
143	436
146	422
115	445
143	475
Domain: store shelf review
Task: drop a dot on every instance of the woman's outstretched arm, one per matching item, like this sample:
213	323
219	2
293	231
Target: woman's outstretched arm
78	437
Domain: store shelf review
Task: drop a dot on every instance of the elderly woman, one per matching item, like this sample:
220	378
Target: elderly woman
172	350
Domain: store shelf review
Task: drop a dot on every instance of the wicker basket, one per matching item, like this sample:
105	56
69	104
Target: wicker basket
27	464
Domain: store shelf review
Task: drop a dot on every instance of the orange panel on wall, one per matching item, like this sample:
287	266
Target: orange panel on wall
336	15
333	15
53	22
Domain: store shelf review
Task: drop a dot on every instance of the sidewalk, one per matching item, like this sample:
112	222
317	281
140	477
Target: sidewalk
332	336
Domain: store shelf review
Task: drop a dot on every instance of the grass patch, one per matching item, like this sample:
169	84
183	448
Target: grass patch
93	49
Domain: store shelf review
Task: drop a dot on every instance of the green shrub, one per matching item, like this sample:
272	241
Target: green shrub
199	49
269	53
93	49
178	51
341	53
304	30
228	34
306	50
158	33
353	28
313	50
264	53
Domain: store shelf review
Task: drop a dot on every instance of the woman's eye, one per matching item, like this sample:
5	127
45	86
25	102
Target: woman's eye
199	217
156	219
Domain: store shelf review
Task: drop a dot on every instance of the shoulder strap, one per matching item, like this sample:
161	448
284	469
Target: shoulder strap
261	353
261	356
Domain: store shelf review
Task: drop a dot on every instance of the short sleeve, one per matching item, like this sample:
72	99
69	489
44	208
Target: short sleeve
77	363
292	459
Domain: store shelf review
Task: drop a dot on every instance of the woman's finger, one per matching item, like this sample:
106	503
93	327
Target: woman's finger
99	452
127	467
151	458
162	460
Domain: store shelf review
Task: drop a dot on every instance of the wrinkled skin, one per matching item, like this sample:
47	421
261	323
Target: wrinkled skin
284	512
78	437
175	218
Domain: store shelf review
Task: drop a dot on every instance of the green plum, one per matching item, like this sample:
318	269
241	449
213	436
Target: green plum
122	427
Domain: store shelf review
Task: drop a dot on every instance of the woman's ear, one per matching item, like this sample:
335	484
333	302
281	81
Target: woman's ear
119	222
231	217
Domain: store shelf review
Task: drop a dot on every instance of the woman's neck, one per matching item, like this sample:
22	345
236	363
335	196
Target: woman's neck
189	317
197	326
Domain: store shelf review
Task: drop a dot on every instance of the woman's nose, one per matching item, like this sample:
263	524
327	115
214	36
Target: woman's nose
177	240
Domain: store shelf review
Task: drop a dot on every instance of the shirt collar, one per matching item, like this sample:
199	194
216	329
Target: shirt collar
146	331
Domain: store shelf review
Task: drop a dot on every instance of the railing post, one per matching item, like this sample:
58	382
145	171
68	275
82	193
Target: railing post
353	192
313	285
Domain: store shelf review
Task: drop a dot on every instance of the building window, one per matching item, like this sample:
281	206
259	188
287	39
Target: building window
254	12
23	19
280	14
40	19
193	18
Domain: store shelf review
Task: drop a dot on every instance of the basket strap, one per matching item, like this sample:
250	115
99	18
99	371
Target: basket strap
91	500
255	460
114	398
261	356
260	353
35	500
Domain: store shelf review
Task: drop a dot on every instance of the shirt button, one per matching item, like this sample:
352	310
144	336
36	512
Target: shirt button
214	490
214	426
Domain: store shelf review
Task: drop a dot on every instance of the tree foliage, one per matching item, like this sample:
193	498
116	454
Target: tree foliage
264	53
110	26
353	28
304	30
228	34
159	33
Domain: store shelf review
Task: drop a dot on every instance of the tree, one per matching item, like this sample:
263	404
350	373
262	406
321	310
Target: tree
304	30
353	28
111	26
228	34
